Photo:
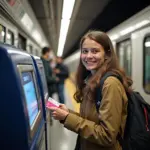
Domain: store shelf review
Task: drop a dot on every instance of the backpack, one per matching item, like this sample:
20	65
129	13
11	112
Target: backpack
137	130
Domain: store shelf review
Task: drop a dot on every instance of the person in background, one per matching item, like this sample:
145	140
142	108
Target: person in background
62	73
53	63
50	78
97	130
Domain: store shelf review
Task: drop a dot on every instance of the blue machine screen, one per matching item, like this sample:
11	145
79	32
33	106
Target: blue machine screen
30	94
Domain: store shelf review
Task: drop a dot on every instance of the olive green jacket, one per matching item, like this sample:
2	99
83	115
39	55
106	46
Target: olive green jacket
100	131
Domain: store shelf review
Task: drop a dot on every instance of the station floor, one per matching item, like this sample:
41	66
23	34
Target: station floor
61	138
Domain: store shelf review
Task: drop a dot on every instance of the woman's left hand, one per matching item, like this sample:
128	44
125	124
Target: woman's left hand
58	113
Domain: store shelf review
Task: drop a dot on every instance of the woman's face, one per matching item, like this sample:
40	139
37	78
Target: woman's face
92	54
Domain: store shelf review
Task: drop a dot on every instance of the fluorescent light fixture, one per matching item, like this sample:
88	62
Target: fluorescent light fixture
27	22
63	34
68	6
127	30
147	44
67	9
142	23
114	37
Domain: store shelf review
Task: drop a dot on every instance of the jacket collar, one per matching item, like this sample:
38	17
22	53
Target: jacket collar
44	59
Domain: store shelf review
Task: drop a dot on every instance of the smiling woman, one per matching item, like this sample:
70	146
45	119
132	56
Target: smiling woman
98	56
97	130
92	54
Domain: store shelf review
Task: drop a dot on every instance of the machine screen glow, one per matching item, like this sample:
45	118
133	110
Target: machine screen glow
30	95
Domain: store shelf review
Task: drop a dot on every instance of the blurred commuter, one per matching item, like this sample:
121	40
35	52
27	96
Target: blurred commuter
102	129
62	73
51	79
53	63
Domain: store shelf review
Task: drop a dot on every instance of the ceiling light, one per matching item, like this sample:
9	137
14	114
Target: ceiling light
67	9
63	34
66	15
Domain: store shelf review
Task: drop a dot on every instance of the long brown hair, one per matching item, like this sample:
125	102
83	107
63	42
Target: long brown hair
110	64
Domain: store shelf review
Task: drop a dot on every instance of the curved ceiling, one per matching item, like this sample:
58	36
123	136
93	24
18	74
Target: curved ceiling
87	14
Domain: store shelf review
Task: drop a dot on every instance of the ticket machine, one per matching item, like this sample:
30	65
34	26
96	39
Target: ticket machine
44	92
42	81
22	120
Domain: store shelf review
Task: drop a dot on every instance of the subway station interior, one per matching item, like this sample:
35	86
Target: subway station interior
28	26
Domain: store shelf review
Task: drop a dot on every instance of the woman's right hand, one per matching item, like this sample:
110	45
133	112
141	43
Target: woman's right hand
63	106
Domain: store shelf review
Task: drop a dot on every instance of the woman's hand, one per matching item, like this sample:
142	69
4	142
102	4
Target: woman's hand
58	113
63	107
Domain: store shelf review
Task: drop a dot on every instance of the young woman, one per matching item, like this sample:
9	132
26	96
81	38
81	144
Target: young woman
97	131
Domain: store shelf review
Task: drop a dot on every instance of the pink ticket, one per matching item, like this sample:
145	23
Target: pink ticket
52	103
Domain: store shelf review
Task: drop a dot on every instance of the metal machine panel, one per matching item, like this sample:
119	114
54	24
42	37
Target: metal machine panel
21	106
